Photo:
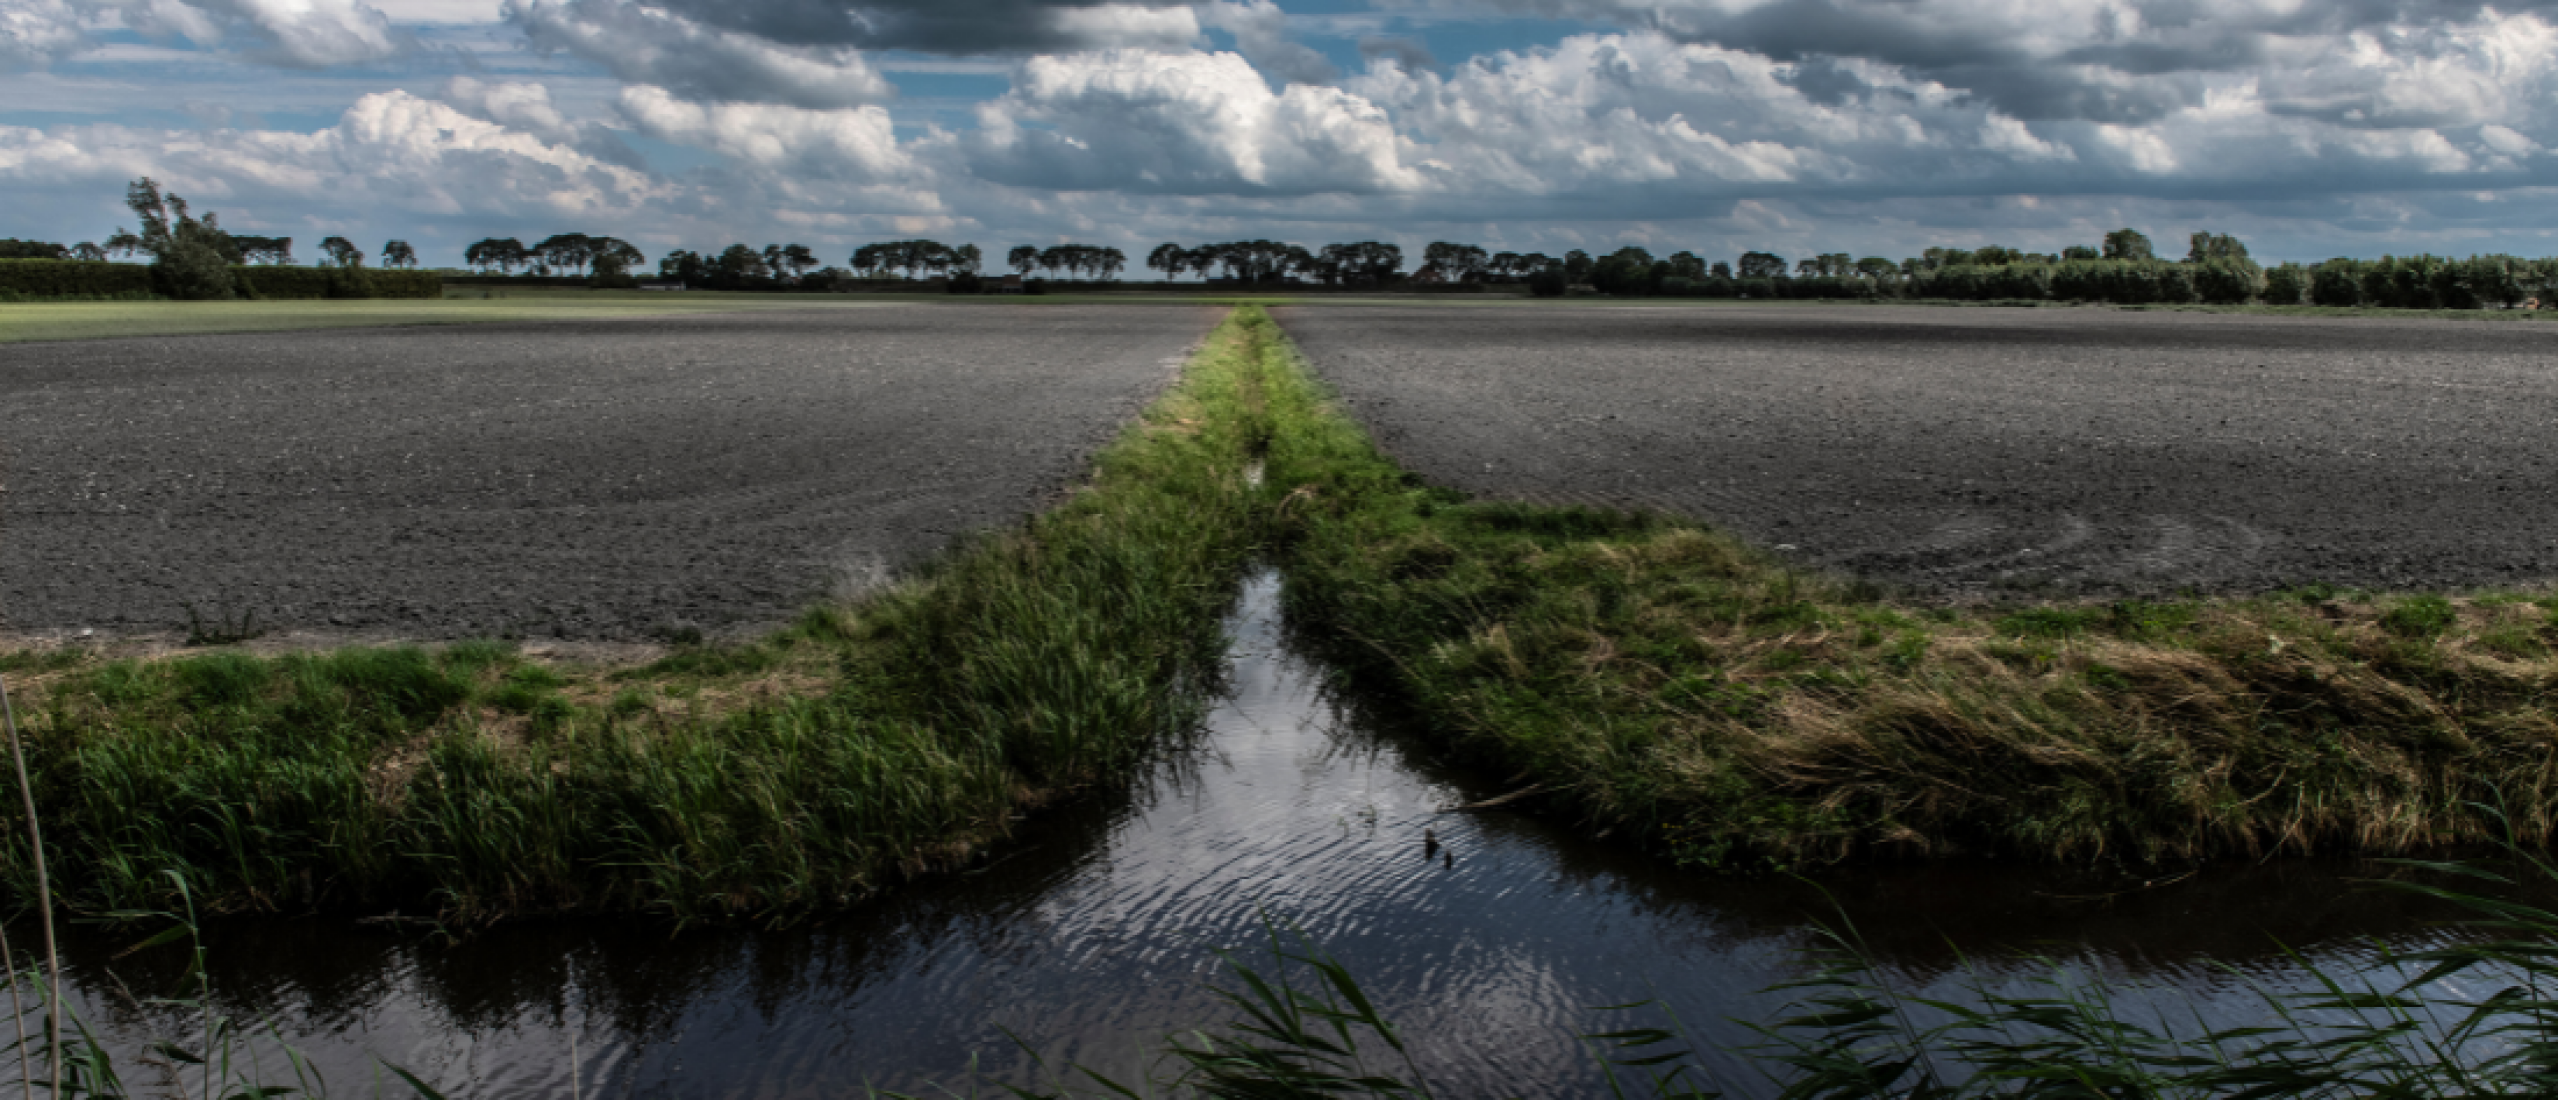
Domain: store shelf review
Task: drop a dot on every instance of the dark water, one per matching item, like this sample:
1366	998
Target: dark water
1090	939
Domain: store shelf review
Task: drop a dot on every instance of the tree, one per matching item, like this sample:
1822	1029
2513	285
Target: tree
967	258
1720	270
611	261
2081	252
1876	267
14	249
912	257
565	251
2128	244
270	250
190	257
1457	263
88	250
341	252
1362	262
502	253
2208	247
737	265
1577	265
686	267
1687	265
398	254
1762	265
1025	257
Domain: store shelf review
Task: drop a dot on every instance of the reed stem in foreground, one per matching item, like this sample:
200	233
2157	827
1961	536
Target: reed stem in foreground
44	895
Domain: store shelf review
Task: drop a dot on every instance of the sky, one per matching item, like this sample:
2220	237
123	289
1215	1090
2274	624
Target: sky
2308	128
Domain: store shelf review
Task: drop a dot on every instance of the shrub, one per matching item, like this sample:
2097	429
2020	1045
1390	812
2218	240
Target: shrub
2285	285
2226	283
75	279
967	282
2335	283
1548	282
190	270
78	279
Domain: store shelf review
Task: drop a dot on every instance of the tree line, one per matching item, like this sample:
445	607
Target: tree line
193	257
605	258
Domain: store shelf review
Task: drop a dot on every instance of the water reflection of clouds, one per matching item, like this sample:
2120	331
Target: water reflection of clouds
1089	937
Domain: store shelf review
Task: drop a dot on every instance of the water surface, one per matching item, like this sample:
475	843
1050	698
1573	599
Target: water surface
1090	937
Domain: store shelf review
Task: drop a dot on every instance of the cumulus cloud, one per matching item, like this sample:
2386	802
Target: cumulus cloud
648	45
1187	122
526	106
854	143
2119	61
1605	115
390	151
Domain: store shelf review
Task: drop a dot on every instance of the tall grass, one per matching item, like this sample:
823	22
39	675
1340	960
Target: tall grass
808	768
1670	683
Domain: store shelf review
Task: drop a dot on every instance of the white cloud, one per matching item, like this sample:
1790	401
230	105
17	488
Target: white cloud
854	143
391	151
299	33
444	12
1182	122
653	46
33	33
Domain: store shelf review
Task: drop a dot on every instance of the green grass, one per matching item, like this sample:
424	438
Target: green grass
24	321
1683	689
797	772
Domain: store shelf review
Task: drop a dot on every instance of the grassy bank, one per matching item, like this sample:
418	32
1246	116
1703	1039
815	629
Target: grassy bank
1679	688
810	767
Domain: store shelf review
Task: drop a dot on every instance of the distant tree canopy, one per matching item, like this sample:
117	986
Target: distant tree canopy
341	252
913	258
2208	247
1083	261
12	248
504	254
1761	265
2128	244
262	250
398	254
1455	263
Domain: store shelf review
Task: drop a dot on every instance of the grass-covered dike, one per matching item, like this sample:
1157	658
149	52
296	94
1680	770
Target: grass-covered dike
1689	692
804	770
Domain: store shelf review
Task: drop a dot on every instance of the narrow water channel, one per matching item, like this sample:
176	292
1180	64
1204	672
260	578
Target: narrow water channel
1090	938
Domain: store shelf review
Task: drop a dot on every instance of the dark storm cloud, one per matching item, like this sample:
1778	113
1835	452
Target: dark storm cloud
932	26
1409	53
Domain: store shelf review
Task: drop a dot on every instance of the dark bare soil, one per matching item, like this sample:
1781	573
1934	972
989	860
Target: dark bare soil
621	479
1972	451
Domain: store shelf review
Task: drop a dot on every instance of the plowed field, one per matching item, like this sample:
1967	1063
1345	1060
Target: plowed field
617	479
1973	450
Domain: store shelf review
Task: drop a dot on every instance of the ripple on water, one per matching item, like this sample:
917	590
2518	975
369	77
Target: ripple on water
1089	937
